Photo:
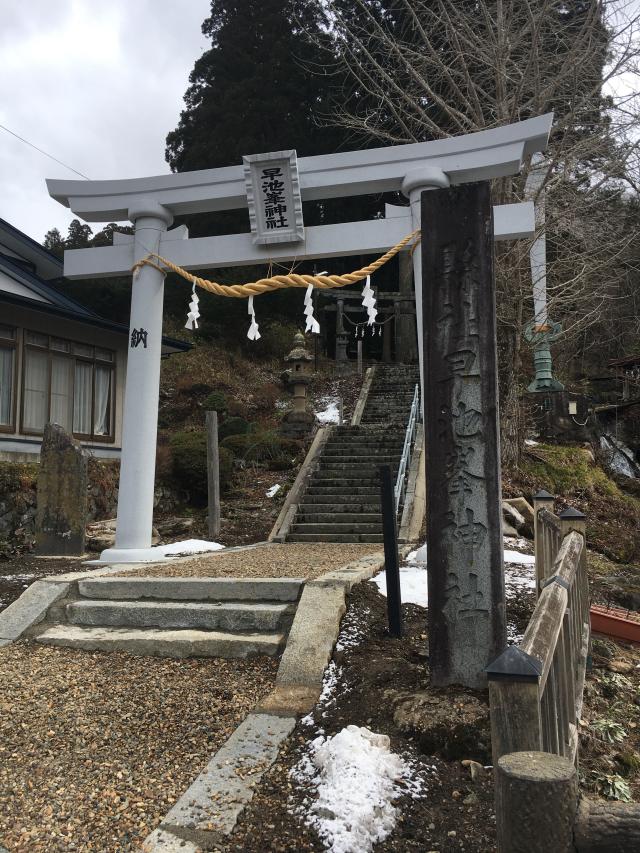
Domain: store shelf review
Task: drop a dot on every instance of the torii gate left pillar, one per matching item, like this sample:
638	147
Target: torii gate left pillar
140	418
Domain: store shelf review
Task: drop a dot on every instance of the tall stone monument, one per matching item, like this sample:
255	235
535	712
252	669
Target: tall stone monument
466	582
61	513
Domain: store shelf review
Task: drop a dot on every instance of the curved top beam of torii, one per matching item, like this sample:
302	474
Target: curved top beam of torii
476	156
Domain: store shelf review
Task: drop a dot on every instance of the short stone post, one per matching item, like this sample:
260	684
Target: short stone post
213	475
61	514
536	801
466	577
542	500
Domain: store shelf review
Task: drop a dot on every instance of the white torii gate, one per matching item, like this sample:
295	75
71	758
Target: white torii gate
151	203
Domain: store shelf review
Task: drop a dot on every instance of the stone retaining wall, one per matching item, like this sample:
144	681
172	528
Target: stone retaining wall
18	499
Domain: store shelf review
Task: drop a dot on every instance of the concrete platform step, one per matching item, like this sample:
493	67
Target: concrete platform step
334	491
193	589
353	527
333	517
320	476
335	537
316	503
237	617
162	643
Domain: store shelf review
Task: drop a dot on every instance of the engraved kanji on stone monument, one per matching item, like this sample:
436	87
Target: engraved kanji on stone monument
61	514
466	587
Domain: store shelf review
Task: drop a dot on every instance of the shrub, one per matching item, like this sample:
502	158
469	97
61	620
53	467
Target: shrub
232	426
265	446
189	454
216	402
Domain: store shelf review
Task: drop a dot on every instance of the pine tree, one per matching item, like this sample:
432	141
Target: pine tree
54	242
259	88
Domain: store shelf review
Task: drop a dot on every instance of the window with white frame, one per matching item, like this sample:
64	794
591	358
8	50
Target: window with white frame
7	378
67	383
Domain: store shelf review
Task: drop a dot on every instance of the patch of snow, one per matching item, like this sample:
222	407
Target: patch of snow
413	585
619	458
519	558
273	490
531	443
351	631
331	413
419	556
189	546
518	543
356	777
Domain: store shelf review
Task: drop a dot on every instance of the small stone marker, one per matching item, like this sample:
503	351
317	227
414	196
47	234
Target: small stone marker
466	579
62	495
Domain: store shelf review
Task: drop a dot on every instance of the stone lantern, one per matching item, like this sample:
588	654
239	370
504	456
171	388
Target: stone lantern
299	422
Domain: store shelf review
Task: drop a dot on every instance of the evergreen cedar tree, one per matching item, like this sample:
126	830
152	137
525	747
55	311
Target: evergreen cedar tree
260	87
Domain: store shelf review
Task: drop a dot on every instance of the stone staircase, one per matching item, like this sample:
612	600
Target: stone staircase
342	499
174	617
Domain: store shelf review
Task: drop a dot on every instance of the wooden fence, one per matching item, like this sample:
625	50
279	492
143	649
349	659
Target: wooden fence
535	688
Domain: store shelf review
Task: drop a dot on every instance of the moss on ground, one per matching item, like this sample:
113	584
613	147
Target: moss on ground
571	474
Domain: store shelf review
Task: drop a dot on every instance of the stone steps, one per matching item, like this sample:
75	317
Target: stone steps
340	504
337	518
342	499
234	616
340	527
335	537
163	643
175	617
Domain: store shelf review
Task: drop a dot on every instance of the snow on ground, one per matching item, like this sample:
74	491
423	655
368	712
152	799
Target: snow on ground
519	558
270	493
331	413
351	630
413	585
419	556
356	778
413	576
189	546
531	443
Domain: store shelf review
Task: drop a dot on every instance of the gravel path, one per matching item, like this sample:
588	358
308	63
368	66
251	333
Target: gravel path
269	561
95	748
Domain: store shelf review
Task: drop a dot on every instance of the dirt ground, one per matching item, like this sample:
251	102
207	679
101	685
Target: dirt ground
455	812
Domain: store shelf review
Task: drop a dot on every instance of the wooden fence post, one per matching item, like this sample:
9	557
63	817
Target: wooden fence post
514	703
543	500
213	475
536	797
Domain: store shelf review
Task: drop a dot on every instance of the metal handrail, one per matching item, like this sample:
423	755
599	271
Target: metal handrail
406	450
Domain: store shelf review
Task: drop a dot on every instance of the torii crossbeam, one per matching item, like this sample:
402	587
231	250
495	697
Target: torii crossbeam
151	204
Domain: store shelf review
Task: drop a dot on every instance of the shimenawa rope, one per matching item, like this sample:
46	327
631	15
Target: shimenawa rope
277	282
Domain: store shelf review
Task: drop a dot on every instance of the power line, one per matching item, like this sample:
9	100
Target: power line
46	154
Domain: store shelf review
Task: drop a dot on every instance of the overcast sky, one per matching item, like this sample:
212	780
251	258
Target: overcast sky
97	85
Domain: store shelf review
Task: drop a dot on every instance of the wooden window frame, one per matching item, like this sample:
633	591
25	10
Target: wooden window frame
12	343
93	361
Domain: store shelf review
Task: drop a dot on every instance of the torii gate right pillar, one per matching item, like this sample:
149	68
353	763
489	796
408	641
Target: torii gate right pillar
464	529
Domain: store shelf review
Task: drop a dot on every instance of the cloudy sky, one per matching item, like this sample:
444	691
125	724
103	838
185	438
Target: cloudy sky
97	85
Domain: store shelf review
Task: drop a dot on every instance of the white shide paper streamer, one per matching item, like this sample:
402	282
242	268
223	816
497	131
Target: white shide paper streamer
253	334
194	314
